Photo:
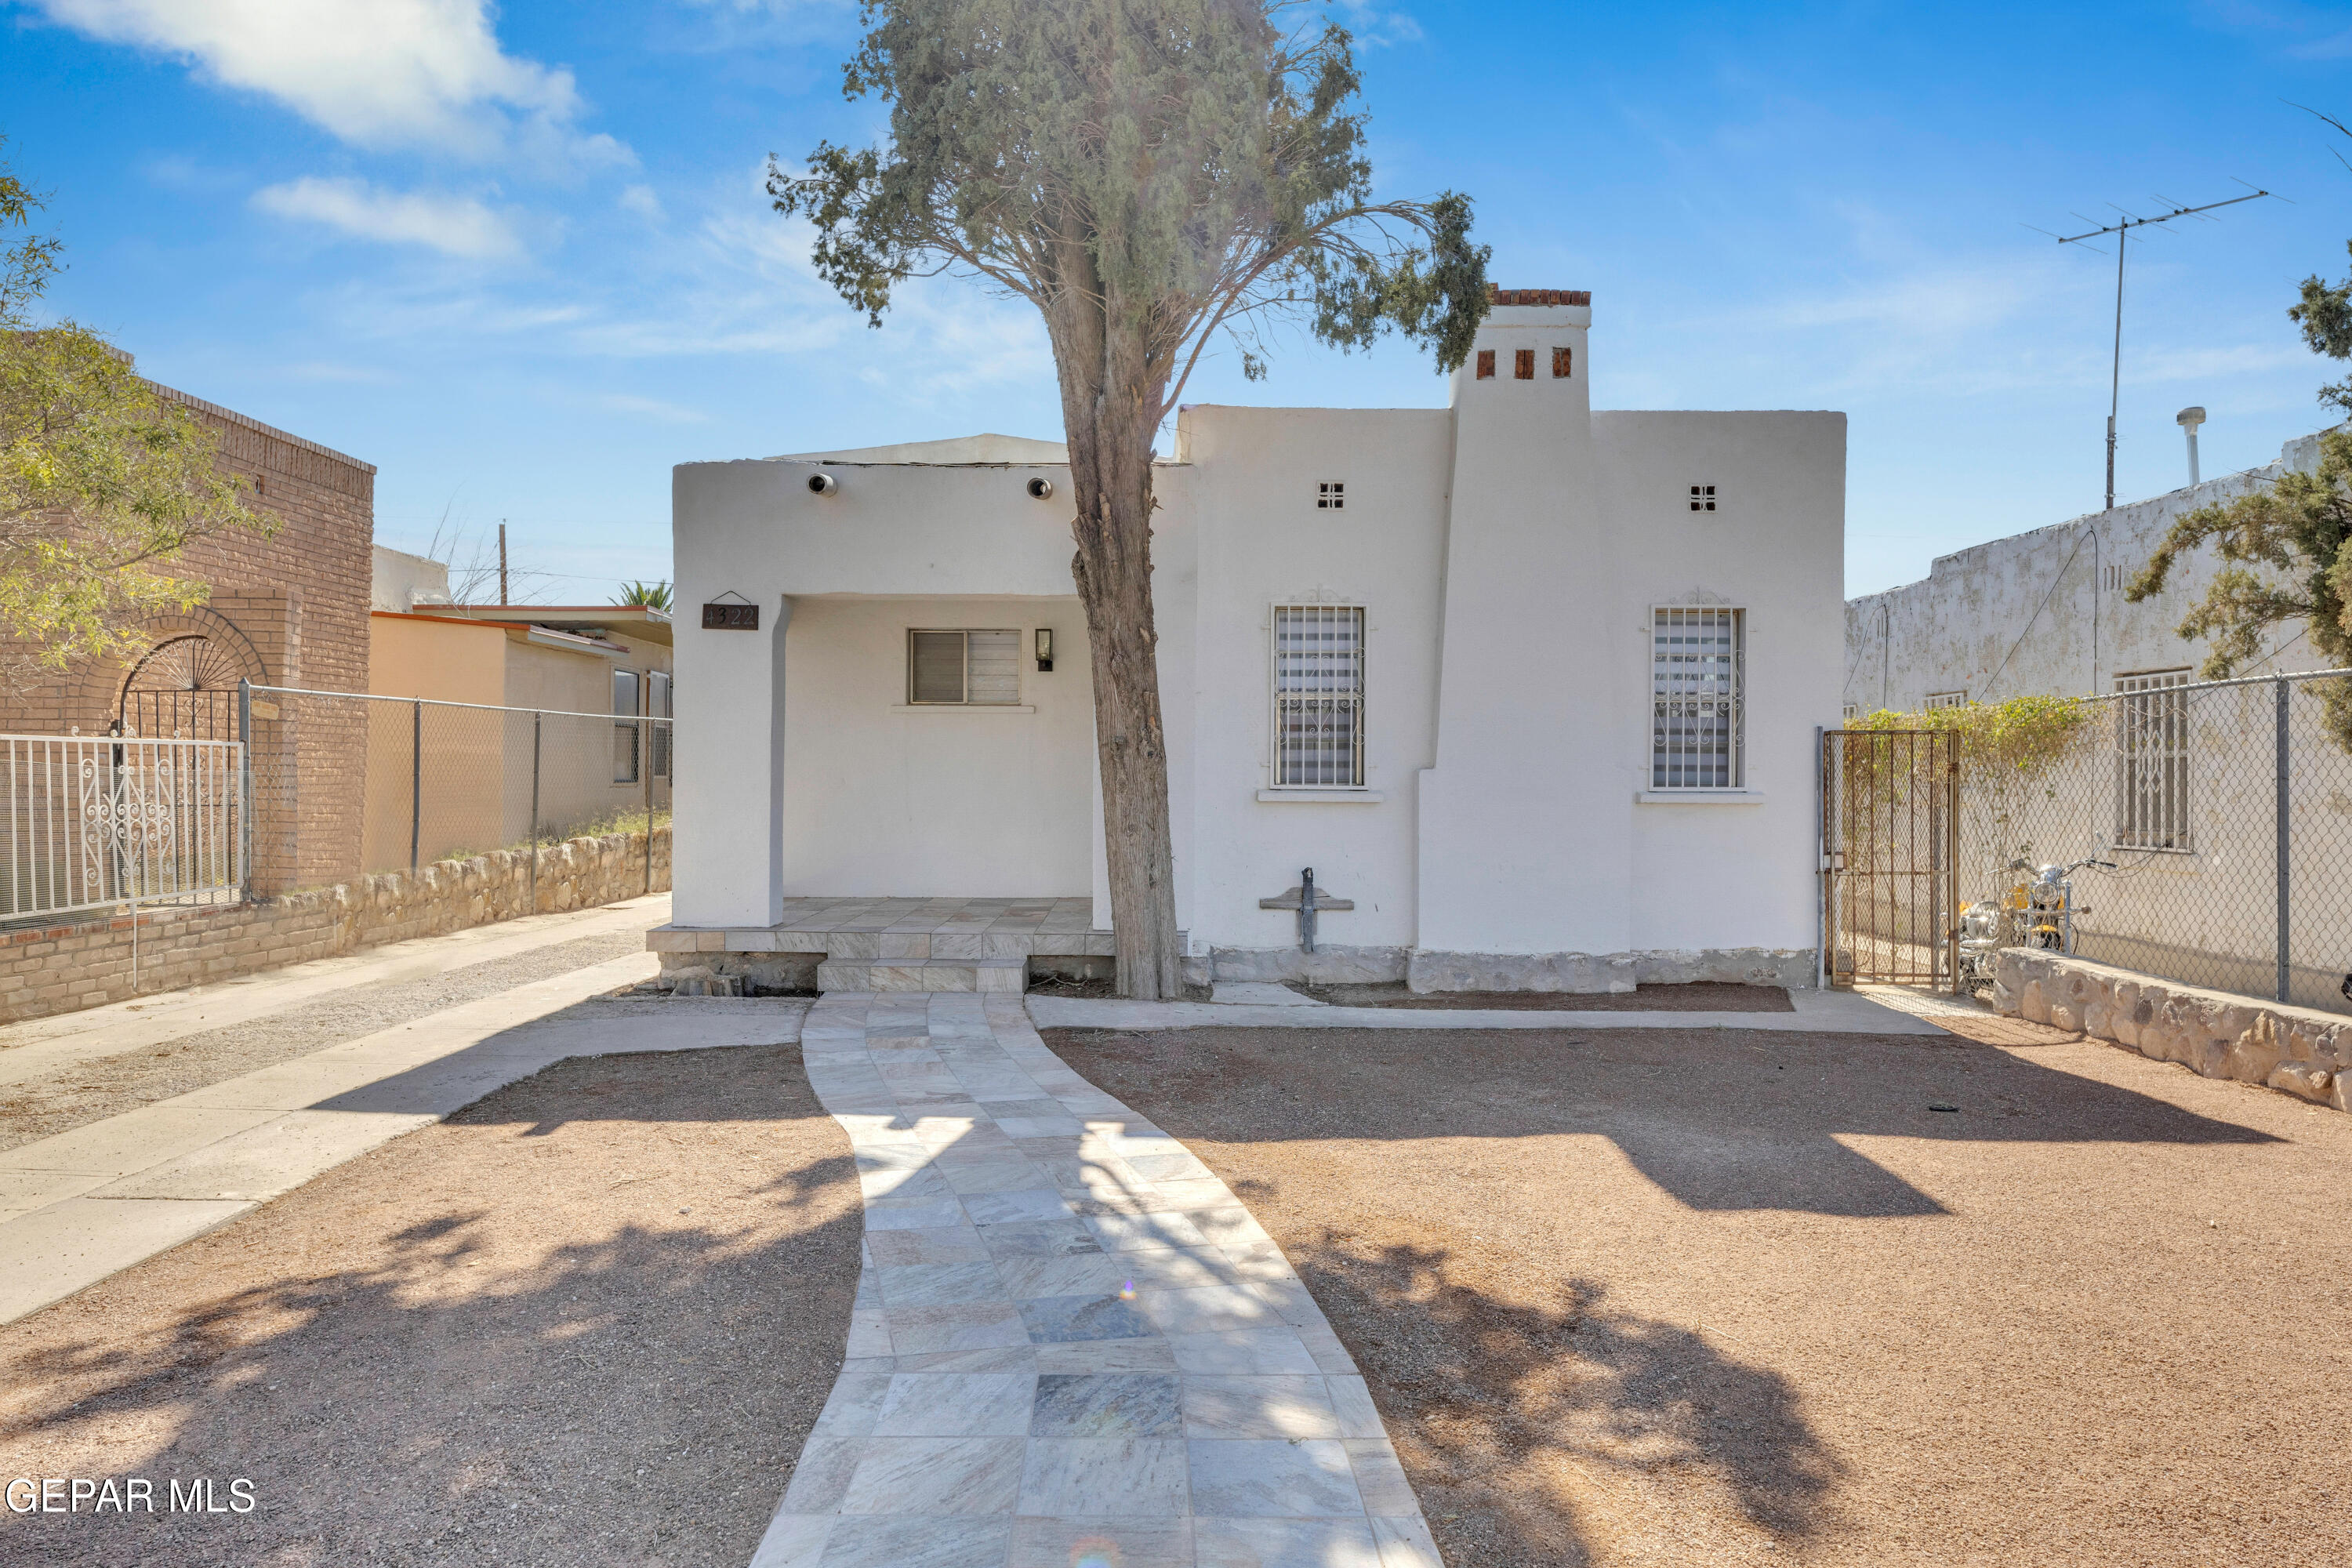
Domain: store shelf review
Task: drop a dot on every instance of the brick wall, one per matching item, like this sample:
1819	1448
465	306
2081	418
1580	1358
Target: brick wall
288	610
62	969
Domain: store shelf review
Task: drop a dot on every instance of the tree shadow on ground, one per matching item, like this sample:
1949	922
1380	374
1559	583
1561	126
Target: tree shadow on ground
1507	1412
601	1345
1724	1120
1540	1418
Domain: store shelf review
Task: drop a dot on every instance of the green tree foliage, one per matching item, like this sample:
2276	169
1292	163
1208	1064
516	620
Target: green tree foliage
650	595
1155	177
2008	754
2025	735
2285	559
102	480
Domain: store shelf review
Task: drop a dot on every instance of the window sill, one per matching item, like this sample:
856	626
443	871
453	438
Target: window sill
1322	797
1699	797
963	707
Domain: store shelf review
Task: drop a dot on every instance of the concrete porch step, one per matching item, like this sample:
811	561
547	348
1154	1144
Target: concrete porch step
1010	974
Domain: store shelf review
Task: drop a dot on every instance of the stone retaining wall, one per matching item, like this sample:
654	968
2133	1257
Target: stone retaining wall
2296	1050
68	966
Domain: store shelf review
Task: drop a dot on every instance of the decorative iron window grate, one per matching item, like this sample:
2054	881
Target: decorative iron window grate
625	727
659	705
1702	497
2152	760
1331	495
1695	699
963	669
1319	696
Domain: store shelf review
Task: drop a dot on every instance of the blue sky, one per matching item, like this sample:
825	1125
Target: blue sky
519	258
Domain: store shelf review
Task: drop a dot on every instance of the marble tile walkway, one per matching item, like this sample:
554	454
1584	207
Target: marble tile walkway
1072	1344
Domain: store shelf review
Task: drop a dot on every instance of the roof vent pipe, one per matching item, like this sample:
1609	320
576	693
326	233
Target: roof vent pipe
2189	418
823	484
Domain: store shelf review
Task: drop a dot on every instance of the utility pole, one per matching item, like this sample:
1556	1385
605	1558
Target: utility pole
502	521
2121	231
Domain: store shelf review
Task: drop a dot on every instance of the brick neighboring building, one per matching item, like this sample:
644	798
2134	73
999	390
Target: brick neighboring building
290	610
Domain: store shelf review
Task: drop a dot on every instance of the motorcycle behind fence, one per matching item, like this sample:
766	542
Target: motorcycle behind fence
2037	912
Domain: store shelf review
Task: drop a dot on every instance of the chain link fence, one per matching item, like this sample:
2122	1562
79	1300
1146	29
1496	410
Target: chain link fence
343	785
2217	819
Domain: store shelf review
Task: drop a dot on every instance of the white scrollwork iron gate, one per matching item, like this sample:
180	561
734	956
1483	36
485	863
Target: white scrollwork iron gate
92	822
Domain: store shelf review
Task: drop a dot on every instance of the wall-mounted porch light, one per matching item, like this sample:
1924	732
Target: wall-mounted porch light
1045	649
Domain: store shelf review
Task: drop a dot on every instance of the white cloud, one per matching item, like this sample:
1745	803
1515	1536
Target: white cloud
1375	28
642	201
331	371
653	408
376	73
455	226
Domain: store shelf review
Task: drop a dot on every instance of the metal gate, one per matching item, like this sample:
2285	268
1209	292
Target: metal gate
1890	839
184	687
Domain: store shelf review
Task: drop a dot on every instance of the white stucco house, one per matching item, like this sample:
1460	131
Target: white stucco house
1533	689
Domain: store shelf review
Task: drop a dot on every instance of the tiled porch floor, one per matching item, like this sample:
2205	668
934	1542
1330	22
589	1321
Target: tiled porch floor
872	928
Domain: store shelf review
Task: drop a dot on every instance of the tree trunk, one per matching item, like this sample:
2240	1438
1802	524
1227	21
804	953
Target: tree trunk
1113	574
1110	413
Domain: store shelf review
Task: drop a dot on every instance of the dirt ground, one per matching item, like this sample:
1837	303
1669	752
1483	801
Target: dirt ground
1665	1297
589	1320
1697	996
91	1091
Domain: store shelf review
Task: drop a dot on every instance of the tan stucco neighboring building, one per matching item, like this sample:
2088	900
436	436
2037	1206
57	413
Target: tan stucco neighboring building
581	672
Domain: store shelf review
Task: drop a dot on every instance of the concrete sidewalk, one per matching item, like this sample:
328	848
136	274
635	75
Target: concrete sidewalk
78	1206
44	1045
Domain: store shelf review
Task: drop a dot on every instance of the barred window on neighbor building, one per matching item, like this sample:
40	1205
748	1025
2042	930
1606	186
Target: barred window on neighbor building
658	705
1319	696
1946	700
966	667
625	730
1695	695
2152	760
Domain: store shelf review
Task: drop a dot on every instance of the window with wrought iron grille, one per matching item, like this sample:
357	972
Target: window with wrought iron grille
1319	696
1946	700
1697	695
658	705
1702	497
963	669
2152	760
625	726
1331	495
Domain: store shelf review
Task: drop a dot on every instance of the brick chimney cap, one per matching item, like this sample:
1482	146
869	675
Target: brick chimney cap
1541	296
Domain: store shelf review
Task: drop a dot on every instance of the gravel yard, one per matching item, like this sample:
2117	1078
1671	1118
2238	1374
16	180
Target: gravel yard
589	1320
1667	1297
91	1091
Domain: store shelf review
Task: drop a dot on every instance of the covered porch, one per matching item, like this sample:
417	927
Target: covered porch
893	944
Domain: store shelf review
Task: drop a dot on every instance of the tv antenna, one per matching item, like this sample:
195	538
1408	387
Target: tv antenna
2121	231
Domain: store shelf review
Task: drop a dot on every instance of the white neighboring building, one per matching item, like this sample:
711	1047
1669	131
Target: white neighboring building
2044	612
1534	687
